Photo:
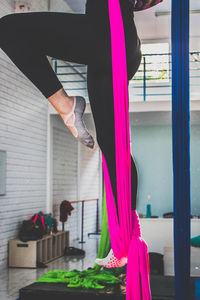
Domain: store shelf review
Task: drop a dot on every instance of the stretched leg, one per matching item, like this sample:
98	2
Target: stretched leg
28	38
100	90
100	85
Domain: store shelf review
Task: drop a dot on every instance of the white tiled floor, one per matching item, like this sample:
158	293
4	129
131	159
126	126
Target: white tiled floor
12	279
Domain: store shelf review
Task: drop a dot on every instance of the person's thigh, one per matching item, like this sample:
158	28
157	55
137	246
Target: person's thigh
65	36
100	92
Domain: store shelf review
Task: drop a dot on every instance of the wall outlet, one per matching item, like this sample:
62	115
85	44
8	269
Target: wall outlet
21	6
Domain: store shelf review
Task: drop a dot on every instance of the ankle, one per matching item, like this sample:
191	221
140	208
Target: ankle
62	104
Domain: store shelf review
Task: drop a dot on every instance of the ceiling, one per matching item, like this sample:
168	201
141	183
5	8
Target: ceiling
149	26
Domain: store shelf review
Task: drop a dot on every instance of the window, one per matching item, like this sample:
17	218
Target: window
155	63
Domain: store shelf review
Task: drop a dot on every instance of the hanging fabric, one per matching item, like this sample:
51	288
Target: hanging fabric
181	146
124	228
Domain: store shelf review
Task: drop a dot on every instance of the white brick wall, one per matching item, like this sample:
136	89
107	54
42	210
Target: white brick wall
64	172
23	134
53	5
89	179
60	6
6	7
69	163
85	173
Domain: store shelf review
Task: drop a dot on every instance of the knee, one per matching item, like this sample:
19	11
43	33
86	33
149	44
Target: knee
7	23
8	28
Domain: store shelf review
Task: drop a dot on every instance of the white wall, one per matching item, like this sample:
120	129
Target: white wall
59	5
23	134
53	5
157	239
90	179
64	172
84	163
75	174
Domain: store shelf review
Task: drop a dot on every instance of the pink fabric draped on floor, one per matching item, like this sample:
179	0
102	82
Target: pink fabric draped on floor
124	231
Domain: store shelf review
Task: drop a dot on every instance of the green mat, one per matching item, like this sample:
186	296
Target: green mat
92	278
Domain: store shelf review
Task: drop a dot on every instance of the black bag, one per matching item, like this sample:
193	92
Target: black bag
29	231
72	251
38	219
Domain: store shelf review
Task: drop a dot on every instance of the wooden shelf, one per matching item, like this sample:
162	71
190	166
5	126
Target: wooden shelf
28	254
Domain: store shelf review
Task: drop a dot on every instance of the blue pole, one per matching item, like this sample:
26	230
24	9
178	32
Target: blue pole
181	146
56	66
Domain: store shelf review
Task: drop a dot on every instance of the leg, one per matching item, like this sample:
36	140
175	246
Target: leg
100	90
27	38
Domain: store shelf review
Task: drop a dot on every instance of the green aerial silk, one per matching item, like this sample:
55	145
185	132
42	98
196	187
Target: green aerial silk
104	246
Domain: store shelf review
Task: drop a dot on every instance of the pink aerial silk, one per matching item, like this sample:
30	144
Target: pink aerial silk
124	232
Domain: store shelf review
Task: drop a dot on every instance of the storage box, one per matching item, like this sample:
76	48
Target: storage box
27	254
168	259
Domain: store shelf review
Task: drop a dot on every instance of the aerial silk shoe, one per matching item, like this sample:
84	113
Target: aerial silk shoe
78	125
110	261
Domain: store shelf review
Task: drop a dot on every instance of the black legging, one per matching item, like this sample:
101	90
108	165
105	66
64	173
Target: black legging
80	38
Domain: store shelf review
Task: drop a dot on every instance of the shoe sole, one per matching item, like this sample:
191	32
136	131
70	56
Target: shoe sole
79	122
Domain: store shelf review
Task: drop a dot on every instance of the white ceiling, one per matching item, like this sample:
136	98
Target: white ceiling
149	26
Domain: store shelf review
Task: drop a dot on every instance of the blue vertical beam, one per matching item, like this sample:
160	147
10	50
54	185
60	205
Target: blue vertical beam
197	289
56	66
181	146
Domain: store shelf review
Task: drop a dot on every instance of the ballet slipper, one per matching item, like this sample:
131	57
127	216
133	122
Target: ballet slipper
78	125
110	261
